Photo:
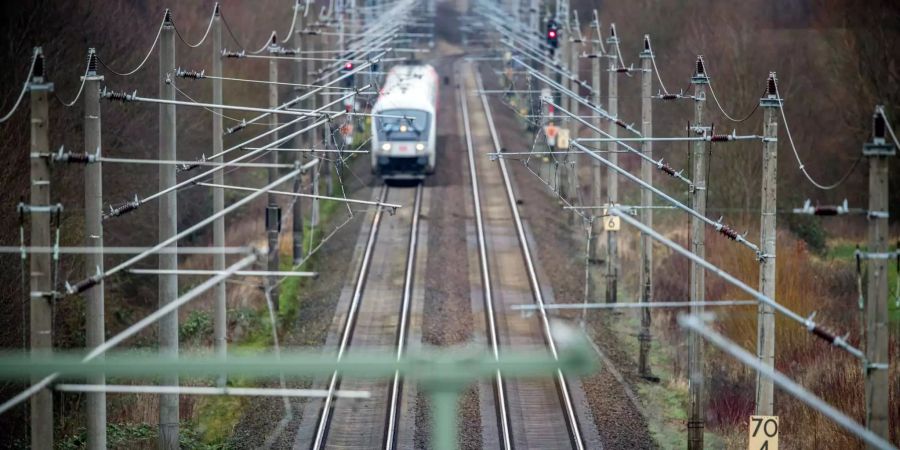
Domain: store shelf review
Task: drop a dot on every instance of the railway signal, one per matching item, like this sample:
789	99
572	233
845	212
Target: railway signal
348	80
347	68
552	35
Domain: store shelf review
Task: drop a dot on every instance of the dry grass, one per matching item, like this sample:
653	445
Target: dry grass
804	284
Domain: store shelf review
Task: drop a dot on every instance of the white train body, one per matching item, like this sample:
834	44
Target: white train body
404	126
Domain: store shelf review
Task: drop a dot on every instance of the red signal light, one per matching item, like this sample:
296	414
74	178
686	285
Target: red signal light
348	66
551	34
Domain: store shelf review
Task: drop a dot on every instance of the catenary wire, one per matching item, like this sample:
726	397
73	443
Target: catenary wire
22	93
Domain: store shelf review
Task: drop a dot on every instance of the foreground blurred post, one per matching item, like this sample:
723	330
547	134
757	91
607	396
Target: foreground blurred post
697	394
877	382
168	227
93	238
765	341
40	295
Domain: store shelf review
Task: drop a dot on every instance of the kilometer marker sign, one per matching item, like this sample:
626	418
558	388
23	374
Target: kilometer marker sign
763	433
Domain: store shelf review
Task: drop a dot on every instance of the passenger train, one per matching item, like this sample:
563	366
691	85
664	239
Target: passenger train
403	135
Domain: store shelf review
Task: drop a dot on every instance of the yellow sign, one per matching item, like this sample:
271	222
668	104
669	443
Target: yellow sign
763	433
611	223
562	139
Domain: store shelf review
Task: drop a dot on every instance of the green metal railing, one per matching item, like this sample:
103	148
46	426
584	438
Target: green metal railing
441	373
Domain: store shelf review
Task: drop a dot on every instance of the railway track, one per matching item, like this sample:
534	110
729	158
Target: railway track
530	413
377	316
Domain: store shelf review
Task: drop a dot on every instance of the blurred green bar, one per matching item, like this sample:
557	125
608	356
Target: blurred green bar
427	365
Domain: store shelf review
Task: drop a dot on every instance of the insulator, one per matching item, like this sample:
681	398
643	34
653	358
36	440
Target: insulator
666	168
728	232
621	124
185	167
116	211
826	211
113	96
612	30
82	285
771	88
720	138
236	128
622	69
38	64
288	52
167	20
823	333
878	126
192	74
700	69
228	54
647	42
92	61
669	96
76	158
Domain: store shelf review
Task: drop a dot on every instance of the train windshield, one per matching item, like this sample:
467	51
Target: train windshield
402	125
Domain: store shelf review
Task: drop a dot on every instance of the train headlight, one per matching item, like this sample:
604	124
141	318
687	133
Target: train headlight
386	147
420	147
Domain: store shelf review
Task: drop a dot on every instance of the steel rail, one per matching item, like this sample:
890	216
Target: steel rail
347	332
568	404
487	288
394	405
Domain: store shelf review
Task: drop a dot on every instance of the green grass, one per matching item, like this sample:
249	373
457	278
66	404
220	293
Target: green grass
665	403
843	251
128	434
218	415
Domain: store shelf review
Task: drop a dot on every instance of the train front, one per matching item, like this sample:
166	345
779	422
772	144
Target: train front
403	135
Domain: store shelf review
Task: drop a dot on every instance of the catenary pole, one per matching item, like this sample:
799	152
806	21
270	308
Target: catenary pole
646	248
297	210
220	322
312	68
697	397
765	344
612	180
41	292
596	166
574	50
273	211
876	306
168	227
93	238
